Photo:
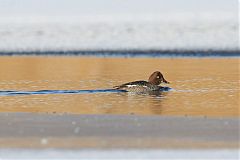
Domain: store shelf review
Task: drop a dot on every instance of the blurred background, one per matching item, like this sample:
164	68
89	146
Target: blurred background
62	25
60	105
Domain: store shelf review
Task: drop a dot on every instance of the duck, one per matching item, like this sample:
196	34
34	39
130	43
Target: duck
155	79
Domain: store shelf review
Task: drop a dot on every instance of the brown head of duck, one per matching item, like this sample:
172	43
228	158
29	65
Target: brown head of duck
157	78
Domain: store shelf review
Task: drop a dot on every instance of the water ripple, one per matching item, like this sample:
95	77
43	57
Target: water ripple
9	93
12	93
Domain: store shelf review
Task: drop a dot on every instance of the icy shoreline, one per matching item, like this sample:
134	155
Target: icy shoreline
127	136
119	153
127	53
157	32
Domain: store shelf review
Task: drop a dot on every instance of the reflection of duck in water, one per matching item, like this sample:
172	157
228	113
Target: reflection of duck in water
153	83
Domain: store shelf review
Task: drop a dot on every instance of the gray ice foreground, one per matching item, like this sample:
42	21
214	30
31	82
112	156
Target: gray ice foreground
119	154
129	136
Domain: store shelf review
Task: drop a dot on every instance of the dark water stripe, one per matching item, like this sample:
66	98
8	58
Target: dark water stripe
14	93
11	93
130	53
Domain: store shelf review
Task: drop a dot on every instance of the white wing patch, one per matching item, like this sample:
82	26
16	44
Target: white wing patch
131	86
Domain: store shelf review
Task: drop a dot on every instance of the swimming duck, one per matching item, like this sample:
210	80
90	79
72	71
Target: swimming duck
155	79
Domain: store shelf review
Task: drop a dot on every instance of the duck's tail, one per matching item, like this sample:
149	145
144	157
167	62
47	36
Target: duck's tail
116	87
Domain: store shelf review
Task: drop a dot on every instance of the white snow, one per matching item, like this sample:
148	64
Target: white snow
82	25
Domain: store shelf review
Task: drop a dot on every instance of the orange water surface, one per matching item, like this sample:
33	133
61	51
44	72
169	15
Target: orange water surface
200	86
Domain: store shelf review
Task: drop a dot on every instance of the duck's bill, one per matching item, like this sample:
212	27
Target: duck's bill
164	81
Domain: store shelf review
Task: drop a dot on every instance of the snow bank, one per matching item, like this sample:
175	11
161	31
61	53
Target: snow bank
163	32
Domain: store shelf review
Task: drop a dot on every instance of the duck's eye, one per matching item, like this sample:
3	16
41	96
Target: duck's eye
158	77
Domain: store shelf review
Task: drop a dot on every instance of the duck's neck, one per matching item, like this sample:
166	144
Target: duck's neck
153	82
